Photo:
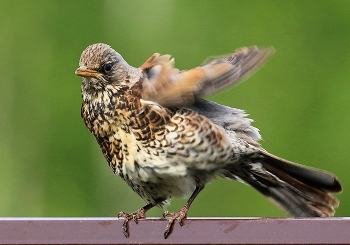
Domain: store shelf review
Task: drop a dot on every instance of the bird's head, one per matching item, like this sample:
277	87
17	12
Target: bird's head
103	69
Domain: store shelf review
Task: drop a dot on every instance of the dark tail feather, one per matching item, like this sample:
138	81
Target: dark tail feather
299	190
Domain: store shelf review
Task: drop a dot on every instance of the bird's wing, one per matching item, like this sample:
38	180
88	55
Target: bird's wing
170	87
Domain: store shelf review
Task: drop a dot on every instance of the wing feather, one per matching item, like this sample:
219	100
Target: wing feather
170	87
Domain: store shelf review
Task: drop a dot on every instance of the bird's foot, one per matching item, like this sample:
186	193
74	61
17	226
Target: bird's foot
138	214
175	216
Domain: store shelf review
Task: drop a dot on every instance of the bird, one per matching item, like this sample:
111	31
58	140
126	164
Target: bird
165	141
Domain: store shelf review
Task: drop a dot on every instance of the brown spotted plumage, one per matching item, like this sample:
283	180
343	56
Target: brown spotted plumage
165	141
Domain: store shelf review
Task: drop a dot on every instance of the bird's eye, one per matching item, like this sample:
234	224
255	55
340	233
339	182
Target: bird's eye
108	67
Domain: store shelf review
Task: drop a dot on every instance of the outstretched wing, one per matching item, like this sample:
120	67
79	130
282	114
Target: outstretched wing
170	87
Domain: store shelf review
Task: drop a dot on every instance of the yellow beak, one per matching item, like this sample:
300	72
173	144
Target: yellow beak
86	72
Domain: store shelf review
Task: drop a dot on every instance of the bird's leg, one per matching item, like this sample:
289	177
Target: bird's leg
181	214
138	214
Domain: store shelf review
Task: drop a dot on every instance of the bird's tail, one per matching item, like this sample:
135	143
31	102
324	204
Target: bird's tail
299	190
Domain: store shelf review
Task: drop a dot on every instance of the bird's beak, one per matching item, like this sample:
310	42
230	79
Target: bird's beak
86	72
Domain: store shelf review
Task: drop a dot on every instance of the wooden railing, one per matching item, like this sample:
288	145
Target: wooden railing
193	231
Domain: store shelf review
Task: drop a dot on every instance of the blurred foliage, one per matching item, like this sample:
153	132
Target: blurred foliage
52	166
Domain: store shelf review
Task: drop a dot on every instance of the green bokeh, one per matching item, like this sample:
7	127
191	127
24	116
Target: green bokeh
52	166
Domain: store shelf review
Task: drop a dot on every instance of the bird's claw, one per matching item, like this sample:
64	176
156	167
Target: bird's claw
138	214
175	216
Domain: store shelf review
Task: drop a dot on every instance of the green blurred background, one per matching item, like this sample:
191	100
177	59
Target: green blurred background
300	100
